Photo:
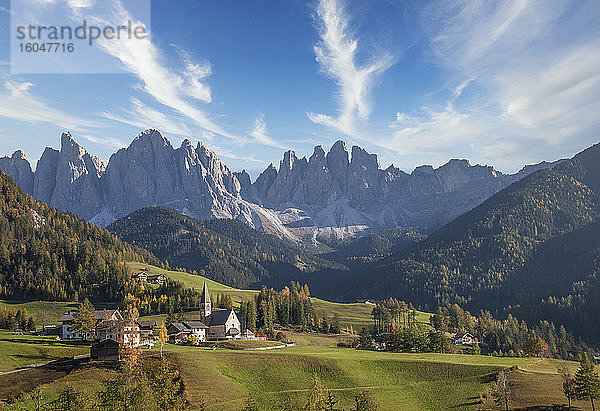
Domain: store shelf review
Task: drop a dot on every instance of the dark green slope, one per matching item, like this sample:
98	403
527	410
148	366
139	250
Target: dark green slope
531	249
227	251
51	255
375	246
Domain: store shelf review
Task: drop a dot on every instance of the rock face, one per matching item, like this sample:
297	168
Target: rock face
17	166
77	182
148	172
192	180
335	194
44	182
330	194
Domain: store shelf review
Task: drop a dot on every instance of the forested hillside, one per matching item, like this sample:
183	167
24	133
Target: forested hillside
51	255
227	251
532	249
375	246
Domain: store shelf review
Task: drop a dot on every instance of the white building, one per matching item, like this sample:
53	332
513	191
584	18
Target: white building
68	323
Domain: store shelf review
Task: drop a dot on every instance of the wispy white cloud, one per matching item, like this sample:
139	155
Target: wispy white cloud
105	141
228	153
535	71
142	116
193	76
175	89
260	133
435	130
336	54
557	101
19	103
473	34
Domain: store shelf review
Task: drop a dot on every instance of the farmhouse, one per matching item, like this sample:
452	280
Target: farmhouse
68	322
147	330
465	338
180	331
156	279
222	324
142	276
125	333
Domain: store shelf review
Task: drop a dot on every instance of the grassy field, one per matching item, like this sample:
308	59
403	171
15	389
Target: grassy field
249	344
54	309
222	378
398	381
19	350
357	315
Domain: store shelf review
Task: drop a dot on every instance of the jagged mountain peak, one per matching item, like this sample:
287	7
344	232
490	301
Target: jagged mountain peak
150	137
19	155
68	144
318	153
331	193
18	167
362	157
186	143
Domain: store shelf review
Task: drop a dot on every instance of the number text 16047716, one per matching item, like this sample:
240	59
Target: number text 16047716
46	47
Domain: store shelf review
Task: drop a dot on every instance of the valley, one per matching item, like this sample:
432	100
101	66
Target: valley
409	343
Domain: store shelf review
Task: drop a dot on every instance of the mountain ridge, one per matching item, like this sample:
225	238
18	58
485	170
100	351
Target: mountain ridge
331	195
531	250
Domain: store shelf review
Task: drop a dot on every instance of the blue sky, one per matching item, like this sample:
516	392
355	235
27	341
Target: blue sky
418	82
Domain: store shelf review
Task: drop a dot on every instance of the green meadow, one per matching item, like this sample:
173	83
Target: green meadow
17	351
357	315
223	378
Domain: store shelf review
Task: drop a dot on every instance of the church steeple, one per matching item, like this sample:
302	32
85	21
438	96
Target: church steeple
205	304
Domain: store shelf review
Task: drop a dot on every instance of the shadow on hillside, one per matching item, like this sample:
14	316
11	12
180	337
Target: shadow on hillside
488	378
52	343
11	385
474	401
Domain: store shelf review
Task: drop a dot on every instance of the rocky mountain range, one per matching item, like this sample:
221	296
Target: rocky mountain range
327	195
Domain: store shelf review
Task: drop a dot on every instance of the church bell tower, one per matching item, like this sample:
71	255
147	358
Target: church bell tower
205	304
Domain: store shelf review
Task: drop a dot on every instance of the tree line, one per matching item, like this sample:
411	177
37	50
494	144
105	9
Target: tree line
395	325
290	307
51	255
532	250
10	320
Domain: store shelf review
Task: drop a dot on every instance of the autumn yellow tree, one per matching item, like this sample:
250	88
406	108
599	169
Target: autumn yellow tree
163	337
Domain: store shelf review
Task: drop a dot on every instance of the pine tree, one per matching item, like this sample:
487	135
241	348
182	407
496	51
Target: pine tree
44	317
168	388
587	383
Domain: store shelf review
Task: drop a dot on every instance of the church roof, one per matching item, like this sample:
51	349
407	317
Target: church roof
218	317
